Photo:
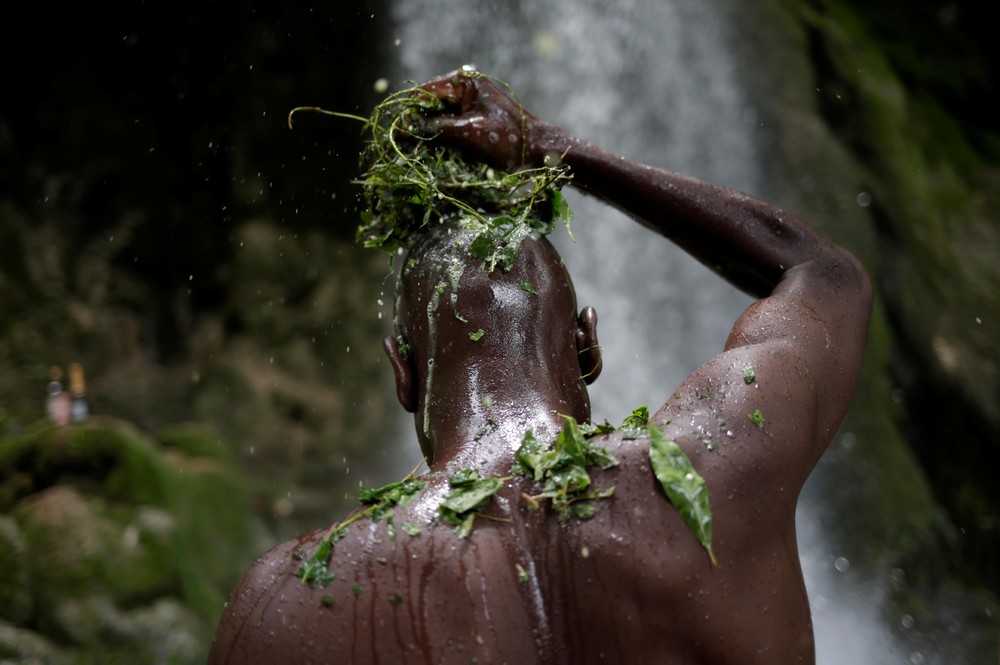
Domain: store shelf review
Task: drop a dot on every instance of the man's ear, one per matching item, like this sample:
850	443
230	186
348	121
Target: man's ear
588	349
406	387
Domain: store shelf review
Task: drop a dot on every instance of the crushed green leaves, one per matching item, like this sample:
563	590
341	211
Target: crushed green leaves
749	374
380	501
757	418
635	423
561	467
469	494
314	570
412	183
383	499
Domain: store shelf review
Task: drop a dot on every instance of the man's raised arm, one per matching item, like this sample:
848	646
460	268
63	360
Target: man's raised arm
749	242
815	296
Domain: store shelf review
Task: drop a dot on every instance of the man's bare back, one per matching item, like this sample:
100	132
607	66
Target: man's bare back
629	585
632	584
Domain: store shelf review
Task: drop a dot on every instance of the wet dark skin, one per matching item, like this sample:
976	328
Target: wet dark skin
631	585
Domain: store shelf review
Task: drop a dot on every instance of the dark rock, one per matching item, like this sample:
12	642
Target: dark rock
15	584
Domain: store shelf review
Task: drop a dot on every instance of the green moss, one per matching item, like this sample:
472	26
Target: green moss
930	162
197	440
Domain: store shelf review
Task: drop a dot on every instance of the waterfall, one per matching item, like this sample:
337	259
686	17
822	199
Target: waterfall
656	81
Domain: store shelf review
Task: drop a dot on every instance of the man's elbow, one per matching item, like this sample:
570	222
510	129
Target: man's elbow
850	296
860	283
848	281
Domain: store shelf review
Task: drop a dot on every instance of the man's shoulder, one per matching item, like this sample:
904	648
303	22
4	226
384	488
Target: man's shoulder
748	415
326	597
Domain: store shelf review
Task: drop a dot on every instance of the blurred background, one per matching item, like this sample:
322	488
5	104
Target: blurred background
162	228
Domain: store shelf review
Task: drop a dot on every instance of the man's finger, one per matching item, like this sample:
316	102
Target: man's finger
431	125
449	126
449	88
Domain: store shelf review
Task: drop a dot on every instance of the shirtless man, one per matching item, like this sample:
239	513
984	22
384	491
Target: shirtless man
632	584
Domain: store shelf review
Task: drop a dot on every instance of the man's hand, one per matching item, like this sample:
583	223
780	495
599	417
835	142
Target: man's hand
481	119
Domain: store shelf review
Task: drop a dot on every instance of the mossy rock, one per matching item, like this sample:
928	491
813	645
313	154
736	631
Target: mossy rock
107	457
164	632
113	529
79	544
26	647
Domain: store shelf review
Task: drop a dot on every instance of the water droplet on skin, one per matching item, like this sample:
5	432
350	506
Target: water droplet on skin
494	137
841	564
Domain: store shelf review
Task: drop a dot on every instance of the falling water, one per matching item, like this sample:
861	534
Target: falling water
653	80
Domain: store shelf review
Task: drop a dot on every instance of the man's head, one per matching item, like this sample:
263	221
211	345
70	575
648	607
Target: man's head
459	325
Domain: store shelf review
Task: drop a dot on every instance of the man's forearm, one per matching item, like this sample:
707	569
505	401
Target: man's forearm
749	242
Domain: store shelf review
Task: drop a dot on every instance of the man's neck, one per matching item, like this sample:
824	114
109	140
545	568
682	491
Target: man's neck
470	430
